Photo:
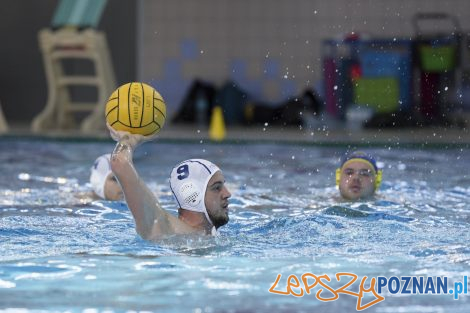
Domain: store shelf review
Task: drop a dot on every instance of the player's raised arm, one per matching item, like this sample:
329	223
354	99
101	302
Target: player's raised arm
150	218
135	113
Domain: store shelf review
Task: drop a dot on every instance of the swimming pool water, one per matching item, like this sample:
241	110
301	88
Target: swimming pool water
62	251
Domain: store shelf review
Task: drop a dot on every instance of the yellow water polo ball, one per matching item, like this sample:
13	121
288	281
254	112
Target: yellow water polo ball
136	108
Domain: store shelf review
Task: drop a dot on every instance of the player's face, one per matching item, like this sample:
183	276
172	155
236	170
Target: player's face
216	200
357	180
112	189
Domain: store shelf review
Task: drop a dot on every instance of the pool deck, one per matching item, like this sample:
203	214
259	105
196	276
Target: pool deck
340	136
387	137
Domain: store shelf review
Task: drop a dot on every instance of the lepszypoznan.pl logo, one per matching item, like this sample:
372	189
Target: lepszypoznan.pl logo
405	285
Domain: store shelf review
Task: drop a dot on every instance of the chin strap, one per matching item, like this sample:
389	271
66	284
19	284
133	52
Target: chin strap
214	231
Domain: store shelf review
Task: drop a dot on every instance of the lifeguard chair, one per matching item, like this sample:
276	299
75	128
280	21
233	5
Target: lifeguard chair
73	37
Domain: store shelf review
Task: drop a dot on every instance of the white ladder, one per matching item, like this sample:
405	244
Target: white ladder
60	111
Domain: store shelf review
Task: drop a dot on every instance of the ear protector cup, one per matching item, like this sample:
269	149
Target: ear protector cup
378	179
338	176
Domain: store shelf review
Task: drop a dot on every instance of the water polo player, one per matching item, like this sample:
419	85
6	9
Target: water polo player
358	176
198	186
103	181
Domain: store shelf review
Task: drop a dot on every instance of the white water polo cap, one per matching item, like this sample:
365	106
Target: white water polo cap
188	182
99	173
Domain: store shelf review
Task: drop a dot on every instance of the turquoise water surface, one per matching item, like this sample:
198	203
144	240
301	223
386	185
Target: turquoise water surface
62	251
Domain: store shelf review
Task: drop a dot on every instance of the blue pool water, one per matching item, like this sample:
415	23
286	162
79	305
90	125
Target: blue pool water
62	251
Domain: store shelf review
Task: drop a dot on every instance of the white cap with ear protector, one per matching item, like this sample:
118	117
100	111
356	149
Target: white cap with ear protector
99	173
188	182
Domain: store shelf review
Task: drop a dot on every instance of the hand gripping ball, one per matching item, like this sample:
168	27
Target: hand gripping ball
136	108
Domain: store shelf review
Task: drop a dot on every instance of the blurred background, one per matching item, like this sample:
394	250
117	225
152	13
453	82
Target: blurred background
287	62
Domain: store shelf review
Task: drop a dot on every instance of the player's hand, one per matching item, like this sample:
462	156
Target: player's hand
116	134
132	139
